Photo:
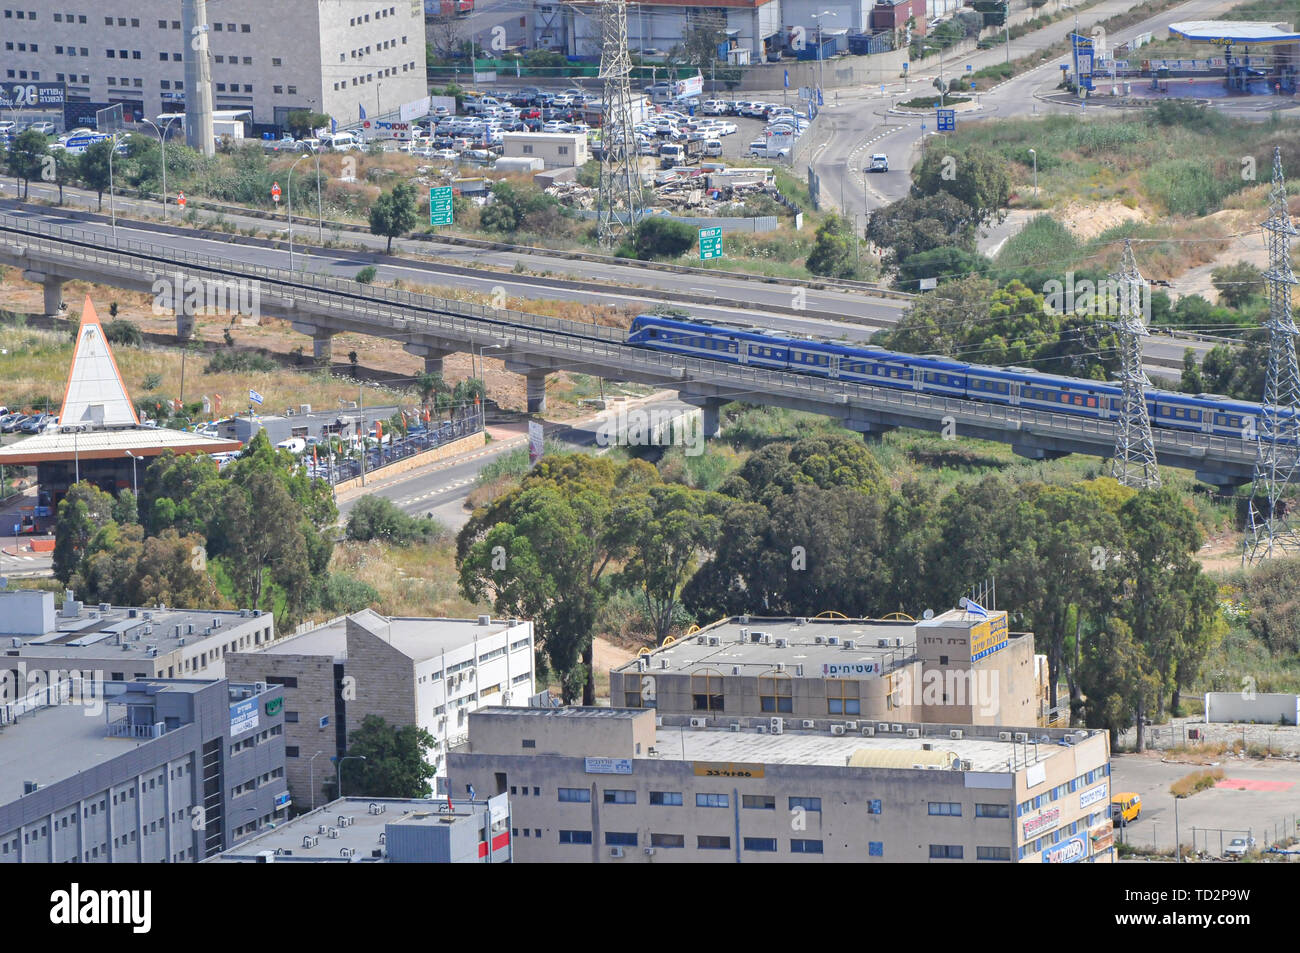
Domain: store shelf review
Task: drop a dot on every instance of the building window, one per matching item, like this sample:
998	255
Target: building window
945	809
290	717
530	742
575	837
711	800
766	845
758	802
842	697
775	693
575	795
666	798
806	804
290	751
805	846
620	797
945	852
706	691
712	842
620	838
992	853
992	810
667	840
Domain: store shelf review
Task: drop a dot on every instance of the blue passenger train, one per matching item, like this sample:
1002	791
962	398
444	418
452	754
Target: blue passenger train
941	376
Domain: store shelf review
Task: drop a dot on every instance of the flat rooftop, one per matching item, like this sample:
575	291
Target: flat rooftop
56	742
122	632
752	646
418	639
361	835
1236	32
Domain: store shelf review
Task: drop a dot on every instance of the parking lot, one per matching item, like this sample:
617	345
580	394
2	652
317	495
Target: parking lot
1264	803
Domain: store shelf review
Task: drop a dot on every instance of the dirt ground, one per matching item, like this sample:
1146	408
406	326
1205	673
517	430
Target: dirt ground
1087	221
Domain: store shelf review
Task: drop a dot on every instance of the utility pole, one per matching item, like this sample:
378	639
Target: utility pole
619	202
361	403
1134	463
198	77
1268	528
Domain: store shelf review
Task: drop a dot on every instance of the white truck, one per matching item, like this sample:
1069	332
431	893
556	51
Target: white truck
879	163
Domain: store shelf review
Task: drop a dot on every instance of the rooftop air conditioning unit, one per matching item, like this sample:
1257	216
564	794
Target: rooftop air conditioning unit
963	765
347	851
744	620
777	725
309	841
1004	736
819	640
243	613
652	751
701	640
782	643
851	725
345	821
642	664
801	621
837	729
761	729
1080	736
882	727
16	643
322	828
649	851
850	644
1022	736
927	746
485	620
616	852
714	640
809	723
744	633
125	647
334	833
659	721
913	732
734	726
699	722
147	616
955	734
897	729
882	643
105	606
132	613
868	731
376	808
833	640
180	641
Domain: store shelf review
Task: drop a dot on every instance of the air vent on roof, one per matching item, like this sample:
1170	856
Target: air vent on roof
189	628
132	613
744	633
735	670
898	643
798	670
16	643
663	663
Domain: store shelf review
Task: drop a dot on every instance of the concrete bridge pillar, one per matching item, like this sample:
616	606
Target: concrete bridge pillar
871	431
184	320
53	287
433	356
322	342
536	381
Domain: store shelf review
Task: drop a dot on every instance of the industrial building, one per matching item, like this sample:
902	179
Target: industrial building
385	830
151	771
271	58
117	643
555	149
617	785
426	672
960	667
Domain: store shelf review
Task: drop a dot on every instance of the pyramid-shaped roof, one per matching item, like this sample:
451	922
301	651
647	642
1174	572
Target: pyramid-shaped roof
95	395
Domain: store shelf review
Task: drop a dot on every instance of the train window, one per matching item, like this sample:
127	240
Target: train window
1092	401
654	332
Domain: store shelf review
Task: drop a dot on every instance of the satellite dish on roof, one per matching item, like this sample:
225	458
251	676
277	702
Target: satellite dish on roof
927	614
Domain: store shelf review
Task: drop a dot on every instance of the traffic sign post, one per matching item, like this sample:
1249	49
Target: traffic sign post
440	205
275	192
710	243
180	200
947	120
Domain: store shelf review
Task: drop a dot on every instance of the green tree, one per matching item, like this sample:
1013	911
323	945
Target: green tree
975	176
1118	681
701	39
396	761
658	236
941	321
303	123
26	158
82	512
394	213
67	169
1191	381
265	540
125	567
94	168
944	264
1237	283
833	254
664	528
918	224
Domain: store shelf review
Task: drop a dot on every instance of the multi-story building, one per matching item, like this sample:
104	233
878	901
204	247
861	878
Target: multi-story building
333	56
616	785
117	643
386	830
152	771
959	667
426	672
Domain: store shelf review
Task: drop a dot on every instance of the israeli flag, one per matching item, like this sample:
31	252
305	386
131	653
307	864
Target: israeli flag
362	110
334	125
974	608
470	788
254	397
787	79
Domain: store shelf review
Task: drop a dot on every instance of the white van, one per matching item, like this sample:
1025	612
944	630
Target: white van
339	140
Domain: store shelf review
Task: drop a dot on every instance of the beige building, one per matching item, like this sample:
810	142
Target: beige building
333	56
556	149
956	668
426	672
609	785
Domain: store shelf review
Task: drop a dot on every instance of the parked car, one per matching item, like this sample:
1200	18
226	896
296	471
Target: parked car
714	107
13	423
713	147
8	125
1237	847
36	423
44	128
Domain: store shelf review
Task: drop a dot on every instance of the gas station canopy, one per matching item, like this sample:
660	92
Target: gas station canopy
1234	32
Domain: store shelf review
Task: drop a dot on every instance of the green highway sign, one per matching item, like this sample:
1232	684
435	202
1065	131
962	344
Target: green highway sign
710	243
440	206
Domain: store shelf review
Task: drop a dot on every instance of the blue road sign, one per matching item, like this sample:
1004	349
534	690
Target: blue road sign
947	120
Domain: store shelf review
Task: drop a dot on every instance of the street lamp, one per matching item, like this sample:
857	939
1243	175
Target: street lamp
162	141
320	216
1033	153
817	17
311	777
485	347
291	168
338	773
135	486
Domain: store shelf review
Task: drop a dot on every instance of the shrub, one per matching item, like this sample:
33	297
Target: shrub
375	517
124	332
366	275
239	361
662	237
343	594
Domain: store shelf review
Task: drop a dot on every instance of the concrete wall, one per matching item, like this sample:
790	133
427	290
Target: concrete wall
463	445
1261	708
